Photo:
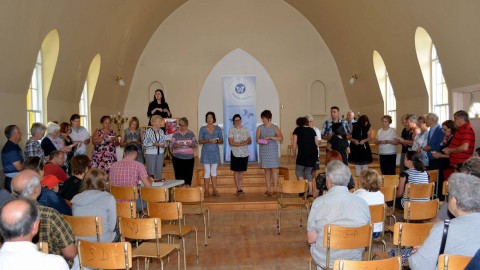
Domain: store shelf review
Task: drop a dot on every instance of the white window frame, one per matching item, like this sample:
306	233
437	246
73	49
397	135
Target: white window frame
83	107
391	101
35	93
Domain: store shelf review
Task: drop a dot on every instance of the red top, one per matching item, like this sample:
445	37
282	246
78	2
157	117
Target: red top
464	134
127	172
52	169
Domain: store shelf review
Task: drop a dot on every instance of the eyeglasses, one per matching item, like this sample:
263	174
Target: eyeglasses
445	129
237	120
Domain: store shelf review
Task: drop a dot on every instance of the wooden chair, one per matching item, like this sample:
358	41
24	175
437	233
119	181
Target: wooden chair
125	193
390	180
85	226
43	247
445	190
154	194
433	178
394	263
410	234
290	147
378	214
192	203
390	194
453	262
339	237
126	209
419	191
173	212
104	255
416	211
289	198
147	229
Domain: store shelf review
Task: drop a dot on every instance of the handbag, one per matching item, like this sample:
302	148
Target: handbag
263	141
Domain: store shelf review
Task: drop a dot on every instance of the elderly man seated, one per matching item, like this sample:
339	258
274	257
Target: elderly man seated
462	237
53	228
337	207
19	223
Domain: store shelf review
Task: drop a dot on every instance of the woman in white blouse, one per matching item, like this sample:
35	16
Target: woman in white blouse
154	144
239	138
387	150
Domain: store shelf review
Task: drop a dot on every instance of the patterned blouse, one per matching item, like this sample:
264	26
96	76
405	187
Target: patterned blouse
238	135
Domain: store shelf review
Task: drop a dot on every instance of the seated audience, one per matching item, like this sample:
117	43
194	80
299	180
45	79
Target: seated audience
19	223
415	174
94	200
321	179
330	209
463	237
129	172
33	147
80	165
50	197
5	196
370	183
53	228
56	160
12	158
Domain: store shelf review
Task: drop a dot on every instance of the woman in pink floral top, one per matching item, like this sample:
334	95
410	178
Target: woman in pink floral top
104	142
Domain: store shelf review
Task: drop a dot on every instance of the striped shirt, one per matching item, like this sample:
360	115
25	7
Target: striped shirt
415	177
151	137
464	134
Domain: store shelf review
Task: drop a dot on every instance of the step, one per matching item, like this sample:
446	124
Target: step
251	201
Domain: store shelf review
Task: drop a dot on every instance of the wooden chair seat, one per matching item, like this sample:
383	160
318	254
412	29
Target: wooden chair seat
149	250
394	263
154	194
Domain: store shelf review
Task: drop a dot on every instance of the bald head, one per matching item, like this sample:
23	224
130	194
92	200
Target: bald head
26	184
19	220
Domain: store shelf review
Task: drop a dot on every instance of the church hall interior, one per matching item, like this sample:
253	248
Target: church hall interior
107	57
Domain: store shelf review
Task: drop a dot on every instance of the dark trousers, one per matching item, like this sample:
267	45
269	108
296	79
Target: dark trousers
183	169
388	164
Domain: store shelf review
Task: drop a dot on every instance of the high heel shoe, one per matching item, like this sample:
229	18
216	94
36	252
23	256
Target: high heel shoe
215	193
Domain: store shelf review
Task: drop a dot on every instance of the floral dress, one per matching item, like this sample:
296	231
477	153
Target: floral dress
104	154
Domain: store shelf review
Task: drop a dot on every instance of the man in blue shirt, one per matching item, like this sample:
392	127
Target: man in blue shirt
327	126
12	158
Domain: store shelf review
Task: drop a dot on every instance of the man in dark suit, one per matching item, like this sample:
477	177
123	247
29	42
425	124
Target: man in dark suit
434	138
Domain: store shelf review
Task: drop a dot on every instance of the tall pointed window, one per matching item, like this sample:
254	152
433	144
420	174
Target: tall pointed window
386	89
83	106
439	97
35	95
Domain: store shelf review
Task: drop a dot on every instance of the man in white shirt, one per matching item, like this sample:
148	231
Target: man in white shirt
79	134
19	223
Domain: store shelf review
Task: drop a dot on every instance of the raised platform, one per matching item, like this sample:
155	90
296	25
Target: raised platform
253	184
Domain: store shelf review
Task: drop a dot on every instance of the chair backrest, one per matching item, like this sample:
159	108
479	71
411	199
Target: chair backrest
154	194
390	180
126	209
188	195
389	193
420	210
445	190
339	237
85	226
410	234
394	263
104	255
128	193
165	211
294	186
377	212
140	228
432	176
43	247
417	191
453	262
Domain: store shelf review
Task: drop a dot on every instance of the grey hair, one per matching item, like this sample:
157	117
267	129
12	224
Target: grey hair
471	166
309	117
464	188
411	118
37	128
22	225
338	173
29	189
52	127
433	116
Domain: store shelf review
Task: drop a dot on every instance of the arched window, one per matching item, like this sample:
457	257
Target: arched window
386	89
439	97
83	107
88	91
432	74
35	95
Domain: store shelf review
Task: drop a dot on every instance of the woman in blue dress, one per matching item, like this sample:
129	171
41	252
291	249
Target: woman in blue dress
268	136
210	136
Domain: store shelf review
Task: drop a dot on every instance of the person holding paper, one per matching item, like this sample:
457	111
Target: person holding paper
183	144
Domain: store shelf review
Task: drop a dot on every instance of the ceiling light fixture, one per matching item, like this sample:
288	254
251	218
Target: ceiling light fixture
353	78
120	81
